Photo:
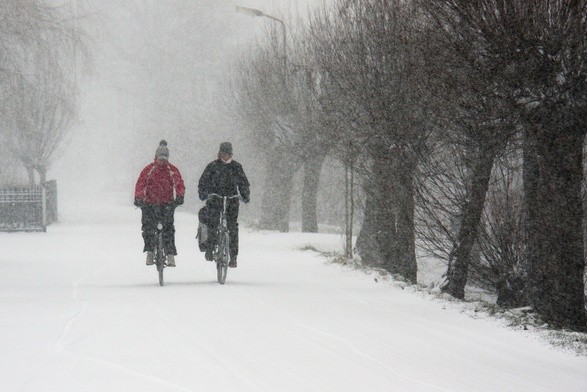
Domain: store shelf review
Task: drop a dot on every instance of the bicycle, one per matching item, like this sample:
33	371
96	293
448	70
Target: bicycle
221	252
160	256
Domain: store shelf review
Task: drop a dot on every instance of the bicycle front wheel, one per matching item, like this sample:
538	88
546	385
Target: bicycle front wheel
160	268
222	259
161	283
160	257
221	271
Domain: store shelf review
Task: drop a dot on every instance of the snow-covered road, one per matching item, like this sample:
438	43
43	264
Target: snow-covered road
79	311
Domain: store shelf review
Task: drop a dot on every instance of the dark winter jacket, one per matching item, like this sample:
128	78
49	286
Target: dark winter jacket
157	183
224	179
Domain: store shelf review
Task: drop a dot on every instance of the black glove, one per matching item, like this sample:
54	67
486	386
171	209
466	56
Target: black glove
246	200
179	200
203	196
139	202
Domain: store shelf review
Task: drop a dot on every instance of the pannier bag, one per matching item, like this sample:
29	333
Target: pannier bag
202	228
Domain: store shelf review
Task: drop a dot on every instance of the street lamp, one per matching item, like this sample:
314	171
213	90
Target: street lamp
255	12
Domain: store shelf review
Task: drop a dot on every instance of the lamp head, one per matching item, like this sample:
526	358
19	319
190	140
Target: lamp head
249	11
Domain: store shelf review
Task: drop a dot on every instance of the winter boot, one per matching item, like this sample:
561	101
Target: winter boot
170	261
150	258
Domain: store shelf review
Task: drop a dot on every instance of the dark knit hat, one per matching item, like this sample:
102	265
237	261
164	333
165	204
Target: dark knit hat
226	147
162	151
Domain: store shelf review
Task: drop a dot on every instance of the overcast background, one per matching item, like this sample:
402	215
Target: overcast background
161	71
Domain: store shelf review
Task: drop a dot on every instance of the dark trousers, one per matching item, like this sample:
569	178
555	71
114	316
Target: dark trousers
214	210
152	214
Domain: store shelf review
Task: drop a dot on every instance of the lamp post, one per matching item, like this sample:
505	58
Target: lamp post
255	12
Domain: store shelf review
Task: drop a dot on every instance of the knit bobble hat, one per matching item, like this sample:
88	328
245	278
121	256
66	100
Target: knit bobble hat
162	151
226	147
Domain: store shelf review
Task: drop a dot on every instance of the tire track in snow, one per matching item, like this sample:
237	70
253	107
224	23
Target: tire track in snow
345	342
222	362
61	349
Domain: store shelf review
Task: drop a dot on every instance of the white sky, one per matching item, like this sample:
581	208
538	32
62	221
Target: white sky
80	311
156	74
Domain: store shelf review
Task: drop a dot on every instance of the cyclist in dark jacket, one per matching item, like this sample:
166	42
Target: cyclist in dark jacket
224	177
159	189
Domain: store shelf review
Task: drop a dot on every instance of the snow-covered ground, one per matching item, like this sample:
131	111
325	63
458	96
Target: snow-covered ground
79	311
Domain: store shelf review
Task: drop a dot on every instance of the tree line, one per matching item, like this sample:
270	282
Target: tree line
43	52
463	123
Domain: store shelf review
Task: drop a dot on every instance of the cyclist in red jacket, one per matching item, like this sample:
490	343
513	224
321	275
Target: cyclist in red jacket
158	191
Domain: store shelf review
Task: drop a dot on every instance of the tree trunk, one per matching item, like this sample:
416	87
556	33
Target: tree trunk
367	246
349	208
531	175
277	196
511	293
42	175
555	237
407	265
458	264
378	237
312	169
31	175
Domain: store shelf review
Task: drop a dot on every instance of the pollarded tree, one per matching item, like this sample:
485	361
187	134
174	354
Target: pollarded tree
483	130
281	112
471	129
370	55
265	110
312	141
533	54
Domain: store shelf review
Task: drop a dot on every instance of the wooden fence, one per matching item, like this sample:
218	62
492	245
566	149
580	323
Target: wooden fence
28	209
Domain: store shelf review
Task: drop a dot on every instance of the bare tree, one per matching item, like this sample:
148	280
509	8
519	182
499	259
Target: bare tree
41	117
486	130
44	55
369	56
283	116
533	55
441	194
502	241
265	111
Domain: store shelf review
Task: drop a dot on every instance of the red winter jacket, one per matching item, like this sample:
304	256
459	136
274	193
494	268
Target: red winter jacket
157	182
